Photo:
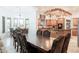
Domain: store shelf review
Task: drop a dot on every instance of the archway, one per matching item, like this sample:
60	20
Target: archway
55	19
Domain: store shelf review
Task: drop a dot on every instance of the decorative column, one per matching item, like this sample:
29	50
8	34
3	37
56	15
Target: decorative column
71	25
78	34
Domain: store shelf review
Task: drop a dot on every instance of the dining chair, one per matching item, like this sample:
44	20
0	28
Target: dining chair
57	45
46	33
39	32
23	43
66	43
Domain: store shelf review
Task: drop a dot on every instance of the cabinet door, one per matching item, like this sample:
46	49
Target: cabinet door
48	22
68	24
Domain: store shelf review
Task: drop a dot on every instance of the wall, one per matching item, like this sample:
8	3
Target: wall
26	12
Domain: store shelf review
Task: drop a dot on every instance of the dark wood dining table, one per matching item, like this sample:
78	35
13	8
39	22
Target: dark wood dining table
41	42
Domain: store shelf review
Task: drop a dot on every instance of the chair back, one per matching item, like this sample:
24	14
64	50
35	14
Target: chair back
66	43
57	45
46	33
39	32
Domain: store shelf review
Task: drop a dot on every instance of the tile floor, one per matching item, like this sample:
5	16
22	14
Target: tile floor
73	48
8	45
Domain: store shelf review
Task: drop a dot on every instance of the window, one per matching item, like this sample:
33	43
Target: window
8	24
21	23
27	23
15	23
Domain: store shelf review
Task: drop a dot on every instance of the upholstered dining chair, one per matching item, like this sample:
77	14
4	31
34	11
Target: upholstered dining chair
57	45
66	43
46	33
39	32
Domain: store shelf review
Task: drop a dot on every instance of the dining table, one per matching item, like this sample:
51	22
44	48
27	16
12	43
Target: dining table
40	42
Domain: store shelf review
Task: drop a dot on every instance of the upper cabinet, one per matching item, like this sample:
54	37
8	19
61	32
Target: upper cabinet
75	22
58	12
